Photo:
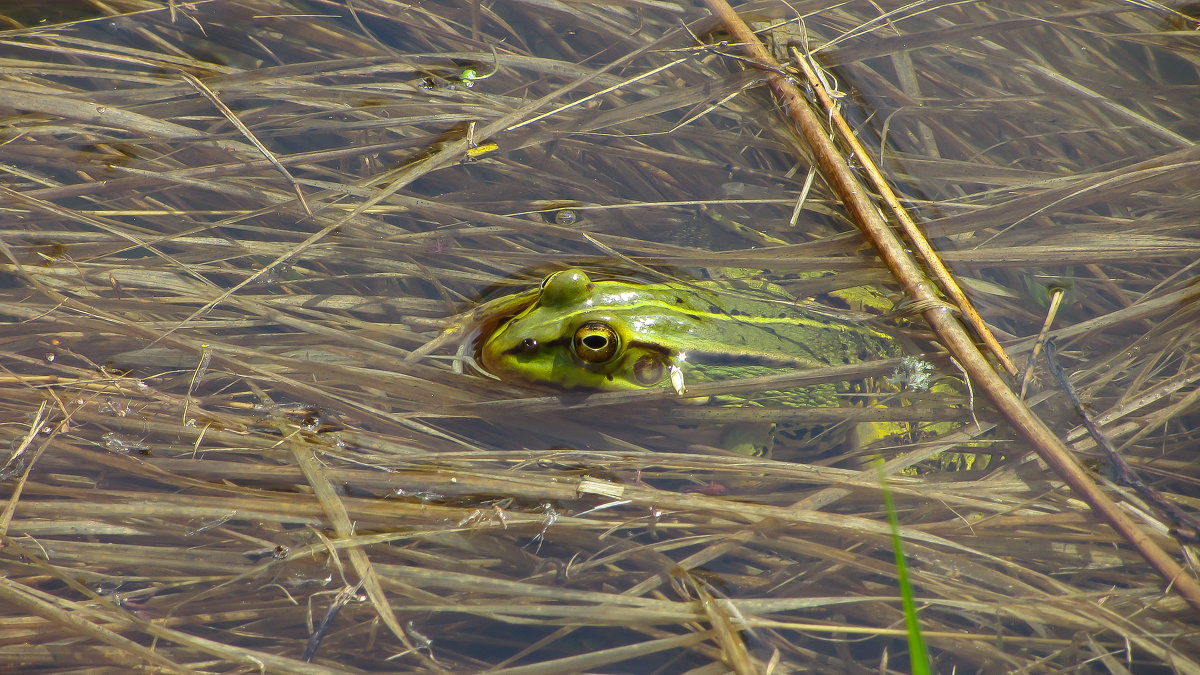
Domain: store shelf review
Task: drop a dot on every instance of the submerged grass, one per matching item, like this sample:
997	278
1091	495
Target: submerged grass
198	476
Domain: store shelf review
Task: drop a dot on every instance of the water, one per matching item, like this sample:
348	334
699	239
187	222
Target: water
233	376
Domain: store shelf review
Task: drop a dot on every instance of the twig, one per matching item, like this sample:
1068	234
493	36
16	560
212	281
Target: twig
911	231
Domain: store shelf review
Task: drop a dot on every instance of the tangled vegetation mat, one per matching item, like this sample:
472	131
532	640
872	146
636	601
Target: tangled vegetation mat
243	242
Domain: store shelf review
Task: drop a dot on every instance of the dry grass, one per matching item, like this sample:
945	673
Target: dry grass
231	408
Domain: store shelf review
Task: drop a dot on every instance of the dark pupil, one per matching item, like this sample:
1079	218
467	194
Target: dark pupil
595	342
529	345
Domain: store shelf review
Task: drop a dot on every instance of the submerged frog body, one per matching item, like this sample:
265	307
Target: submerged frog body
614	335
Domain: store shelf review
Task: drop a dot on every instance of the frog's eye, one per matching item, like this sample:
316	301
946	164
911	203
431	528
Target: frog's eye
595	342
564	288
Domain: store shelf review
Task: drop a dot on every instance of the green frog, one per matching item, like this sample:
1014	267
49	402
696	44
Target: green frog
611	335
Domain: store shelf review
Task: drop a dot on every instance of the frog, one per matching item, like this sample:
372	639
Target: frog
573	332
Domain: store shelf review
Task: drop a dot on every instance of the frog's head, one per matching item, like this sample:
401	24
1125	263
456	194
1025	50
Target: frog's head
579	333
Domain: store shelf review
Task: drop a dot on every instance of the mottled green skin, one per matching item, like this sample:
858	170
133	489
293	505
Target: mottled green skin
692	330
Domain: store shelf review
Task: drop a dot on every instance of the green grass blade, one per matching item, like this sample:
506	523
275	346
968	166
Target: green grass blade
918	656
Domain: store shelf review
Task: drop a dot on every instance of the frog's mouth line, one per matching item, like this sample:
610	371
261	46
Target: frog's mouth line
558	342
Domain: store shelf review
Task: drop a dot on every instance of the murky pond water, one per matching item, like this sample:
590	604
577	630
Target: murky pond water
243	251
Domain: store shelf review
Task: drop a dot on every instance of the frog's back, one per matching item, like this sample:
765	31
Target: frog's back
738	327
